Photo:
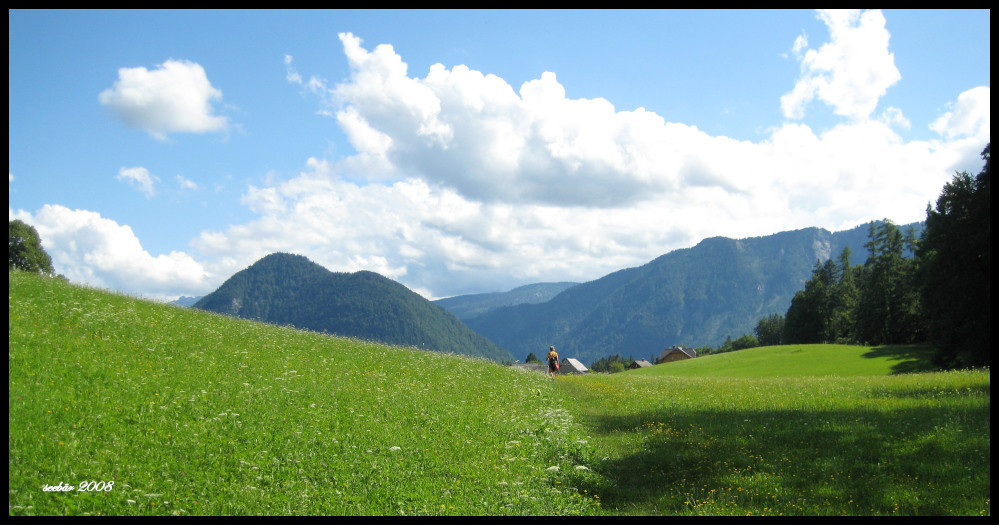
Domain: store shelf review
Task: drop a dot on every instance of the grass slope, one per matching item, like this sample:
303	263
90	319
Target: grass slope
177	411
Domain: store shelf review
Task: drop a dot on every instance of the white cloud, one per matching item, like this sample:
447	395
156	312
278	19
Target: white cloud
174	98
799	43
475	134
894	117
89	248
968	117
185	183
314	85
140	179
850	72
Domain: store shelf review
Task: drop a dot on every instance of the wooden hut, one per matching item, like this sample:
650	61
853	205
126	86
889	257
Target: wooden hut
677	353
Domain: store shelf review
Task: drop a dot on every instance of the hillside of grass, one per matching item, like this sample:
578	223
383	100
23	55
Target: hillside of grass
178	411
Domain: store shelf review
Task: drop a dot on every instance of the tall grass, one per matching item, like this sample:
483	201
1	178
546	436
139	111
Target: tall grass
681	439
183	412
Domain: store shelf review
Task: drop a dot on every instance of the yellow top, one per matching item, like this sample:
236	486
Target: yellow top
552	355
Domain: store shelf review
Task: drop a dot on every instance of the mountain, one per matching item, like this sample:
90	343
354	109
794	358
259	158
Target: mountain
186	302
469	306
696	296
291	290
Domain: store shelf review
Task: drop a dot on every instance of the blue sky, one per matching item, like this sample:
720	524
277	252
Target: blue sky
159	152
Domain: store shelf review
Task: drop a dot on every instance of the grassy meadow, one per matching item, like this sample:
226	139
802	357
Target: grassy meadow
194	413
177	411
770	431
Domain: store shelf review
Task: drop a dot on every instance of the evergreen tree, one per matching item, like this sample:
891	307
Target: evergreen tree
807	317
24	249
954	255
888	307
769	331
844	302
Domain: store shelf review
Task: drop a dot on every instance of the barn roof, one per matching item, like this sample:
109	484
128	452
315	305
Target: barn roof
574	365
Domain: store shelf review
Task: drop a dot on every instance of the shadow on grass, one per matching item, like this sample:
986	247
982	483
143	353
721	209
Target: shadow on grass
911	358
857	462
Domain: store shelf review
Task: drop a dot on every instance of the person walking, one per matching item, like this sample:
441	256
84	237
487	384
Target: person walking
552	361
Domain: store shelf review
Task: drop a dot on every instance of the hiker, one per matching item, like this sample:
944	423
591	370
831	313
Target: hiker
552	361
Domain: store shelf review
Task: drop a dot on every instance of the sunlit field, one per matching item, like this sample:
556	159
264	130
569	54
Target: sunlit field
150	409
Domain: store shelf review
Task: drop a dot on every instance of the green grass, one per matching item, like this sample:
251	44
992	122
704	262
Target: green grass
803	361
719	436
192	413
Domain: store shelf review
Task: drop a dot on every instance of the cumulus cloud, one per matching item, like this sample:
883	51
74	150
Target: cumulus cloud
140	179
850	72
176	97
968	117
474	133
89	248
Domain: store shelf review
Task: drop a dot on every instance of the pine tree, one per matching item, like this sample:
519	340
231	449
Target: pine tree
954	255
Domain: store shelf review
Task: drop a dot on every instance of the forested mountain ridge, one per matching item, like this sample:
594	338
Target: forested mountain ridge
696	296
291	290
